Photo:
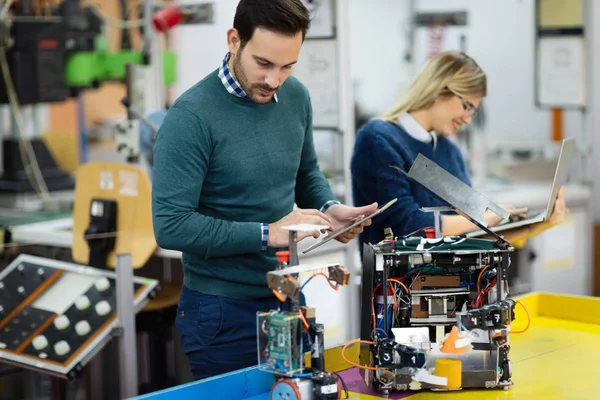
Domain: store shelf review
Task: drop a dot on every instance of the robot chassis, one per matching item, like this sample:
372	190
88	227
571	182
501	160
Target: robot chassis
444	321
434	310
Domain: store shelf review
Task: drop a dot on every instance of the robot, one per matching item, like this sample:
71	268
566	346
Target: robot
435	312
284	335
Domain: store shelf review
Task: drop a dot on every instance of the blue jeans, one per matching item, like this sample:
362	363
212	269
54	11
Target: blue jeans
218	334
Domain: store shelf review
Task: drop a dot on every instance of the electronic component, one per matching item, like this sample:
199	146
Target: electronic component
391	355
435	298
498	315
36	61
279	342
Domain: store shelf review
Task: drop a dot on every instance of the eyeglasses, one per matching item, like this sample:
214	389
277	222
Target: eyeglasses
470	109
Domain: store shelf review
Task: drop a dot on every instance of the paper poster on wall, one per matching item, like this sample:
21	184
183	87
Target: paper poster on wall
317	70
430	41
560	71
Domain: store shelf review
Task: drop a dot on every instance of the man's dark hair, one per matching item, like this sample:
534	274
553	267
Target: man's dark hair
286	17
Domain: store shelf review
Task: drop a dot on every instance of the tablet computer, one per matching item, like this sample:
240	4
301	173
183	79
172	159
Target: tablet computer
333	235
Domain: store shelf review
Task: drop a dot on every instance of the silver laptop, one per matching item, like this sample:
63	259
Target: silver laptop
567	151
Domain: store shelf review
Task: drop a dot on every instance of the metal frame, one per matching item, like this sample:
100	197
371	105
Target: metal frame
154	96
377	258
467	201
347	127
127	341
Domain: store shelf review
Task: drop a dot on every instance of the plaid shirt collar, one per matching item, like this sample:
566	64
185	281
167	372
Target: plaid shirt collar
229	81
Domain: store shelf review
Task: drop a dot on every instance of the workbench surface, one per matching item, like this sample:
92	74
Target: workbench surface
556	358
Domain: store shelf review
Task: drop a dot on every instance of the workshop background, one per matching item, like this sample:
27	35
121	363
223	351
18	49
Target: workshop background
542	59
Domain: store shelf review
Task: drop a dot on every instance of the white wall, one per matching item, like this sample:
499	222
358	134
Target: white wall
378	36
593	123
201	48
505	53
379	41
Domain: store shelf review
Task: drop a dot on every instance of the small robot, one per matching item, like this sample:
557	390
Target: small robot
286	334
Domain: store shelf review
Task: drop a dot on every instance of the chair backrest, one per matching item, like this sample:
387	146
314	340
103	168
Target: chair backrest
130	187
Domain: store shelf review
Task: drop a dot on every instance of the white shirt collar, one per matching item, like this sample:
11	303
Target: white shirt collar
415	130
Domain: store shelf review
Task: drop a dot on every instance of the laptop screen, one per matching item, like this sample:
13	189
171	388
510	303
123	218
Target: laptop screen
563	166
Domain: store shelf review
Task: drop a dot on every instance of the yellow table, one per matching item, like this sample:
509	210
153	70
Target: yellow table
558	357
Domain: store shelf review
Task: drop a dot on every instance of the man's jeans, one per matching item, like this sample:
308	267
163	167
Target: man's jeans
218	334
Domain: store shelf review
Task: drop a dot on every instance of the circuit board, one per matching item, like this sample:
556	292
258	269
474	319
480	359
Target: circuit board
280	345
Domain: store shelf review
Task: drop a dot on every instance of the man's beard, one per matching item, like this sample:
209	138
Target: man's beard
250	89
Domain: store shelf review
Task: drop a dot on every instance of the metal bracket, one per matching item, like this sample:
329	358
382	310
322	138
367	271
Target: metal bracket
293	246
466	201
437	217
126	314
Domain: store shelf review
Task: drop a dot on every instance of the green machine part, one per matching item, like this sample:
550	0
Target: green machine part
86	68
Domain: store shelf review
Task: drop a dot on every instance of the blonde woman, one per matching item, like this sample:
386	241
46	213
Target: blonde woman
442	98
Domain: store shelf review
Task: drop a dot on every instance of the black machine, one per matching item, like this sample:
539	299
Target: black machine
445	298
435	311
38	49
100	233
35	55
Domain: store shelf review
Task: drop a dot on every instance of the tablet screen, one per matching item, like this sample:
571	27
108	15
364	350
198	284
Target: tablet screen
341	231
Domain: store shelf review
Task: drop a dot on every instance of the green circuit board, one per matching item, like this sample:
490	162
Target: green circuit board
284	352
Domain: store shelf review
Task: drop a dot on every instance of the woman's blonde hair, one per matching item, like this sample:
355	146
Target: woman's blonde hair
450	72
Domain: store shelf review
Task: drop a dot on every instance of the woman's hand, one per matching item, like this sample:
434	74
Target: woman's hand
494	219
560	208
519	236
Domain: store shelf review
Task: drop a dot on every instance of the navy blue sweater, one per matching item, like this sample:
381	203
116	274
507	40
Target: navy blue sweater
380	144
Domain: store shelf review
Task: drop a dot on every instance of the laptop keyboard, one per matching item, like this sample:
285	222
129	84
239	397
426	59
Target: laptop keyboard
530	215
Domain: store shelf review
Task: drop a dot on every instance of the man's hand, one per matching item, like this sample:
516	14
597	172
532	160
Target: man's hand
341	215
281	238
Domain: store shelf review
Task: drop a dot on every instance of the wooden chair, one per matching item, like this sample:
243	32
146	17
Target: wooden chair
125	190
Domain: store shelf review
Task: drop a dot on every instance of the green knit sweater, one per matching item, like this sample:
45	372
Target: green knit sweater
222	166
